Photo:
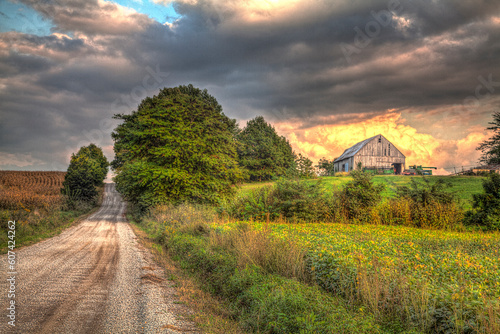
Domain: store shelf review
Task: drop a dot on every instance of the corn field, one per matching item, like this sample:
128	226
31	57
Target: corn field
29	190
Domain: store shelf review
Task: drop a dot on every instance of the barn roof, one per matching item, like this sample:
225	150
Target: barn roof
351	151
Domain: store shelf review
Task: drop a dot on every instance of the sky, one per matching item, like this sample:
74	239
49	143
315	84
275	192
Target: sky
325	74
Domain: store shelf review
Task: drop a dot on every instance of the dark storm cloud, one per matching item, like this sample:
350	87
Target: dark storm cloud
289	61
14	64
58	91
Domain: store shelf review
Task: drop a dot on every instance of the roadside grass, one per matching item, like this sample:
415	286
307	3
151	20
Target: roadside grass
262	280
28	234
373	278
206	310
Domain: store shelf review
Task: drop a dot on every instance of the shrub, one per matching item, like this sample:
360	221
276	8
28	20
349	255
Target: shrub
422	204
295	200
407	212
258	205
394	212
425	193
300	200
359	196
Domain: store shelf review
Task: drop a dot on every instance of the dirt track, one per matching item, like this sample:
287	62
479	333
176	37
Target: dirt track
92	278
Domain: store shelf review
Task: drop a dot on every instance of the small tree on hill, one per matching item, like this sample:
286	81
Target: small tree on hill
326	167
304	167
263	152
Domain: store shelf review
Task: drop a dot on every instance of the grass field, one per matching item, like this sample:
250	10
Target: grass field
462	186
434	280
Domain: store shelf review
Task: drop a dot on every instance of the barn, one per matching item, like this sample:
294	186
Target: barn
375	153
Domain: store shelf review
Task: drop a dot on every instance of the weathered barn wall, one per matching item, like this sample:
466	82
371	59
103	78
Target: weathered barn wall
379	153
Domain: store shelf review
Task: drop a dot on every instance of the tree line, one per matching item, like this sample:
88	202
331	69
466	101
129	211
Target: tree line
179	146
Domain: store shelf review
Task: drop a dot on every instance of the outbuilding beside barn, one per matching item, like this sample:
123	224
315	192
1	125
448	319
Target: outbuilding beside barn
375	153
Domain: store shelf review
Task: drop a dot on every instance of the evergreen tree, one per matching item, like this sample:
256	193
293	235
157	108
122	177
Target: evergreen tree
263	152
178	146
491	147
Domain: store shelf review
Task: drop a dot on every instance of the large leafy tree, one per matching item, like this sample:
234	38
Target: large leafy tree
87	169
491	147
263	152
178	146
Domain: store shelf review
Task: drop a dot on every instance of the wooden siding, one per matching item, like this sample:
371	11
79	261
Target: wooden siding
378	153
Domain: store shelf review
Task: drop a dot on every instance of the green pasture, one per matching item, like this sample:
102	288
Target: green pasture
462	186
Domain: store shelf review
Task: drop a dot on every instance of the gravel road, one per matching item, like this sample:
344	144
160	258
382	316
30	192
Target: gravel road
92	278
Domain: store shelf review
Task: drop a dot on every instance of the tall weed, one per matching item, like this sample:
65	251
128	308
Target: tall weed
407	212
259	248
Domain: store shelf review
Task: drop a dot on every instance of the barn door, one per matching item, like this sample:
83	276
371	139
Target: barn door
398	168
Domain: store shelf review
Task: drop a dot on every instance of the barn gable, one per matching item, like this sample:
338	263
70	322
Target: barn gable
351	151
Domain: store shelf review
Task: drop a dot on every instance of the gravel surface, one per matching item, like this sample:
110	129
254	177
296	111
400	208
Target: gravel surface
92	278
